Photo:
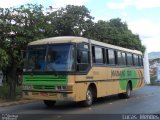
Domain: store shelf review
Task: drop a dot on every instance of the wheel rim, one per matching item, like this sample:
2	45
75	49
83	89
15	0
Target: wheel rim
89	97
128	91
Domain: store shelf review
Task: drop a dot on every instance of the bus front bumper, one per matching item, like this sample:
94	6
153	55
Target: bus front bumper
57	96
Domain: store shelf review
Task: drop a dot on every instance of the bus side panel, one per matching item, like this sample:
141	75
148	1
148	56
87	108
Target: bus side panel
114	78
108	81
140	83
80	87
104	84
134	75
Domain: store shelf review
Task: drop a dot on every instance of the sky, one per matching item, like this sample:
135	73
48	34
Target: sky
142	16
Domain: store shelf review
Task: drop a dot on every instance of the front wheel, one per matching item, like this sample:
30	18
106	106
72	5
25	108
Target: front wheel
49	103
89	98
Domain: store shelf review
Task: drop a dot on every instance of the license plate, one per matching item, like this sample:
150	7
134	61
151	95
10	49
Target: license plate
43	94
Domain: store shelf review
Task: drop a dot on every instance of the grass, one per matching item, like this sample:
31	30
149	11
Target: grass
4	92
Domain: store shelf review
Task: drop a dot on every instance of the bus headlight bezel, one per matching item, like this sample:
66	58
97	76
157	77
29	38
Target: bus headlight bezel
63	87
60	87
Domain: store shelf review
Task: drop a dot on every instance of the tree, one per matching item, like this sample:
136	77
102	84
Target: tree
115	32
18	27
3	59
71	20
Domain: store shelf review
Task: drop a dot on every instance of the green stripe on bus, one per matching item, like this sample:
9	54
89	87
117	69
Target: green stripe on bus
47	80
128	73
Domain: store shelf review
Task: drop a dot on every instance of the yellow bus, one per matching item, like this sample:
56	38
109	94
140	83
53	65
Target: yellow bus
79	69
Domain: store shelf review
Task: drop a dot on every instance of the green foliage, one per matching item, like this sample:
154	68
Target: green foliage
4	91
3	59
18	27
71	20
115	32
19	91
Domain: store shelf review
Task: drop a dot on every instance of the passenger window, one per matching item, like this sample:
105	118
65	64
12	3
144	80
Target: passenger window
119	56
129	59
111	56
136	62
124	58
98	55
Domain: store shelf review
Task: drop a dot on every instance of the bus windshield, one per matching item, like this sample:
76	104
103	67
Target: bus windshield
50	58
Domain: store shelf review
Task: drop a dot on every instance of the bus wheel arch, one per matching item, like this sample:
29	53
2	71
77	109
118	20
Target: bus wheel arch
93	87
91	94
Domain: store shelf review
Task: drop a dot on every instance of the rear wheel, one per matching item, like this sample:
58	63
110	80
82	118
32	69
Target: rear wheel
127	94
49	103
89	98
128	91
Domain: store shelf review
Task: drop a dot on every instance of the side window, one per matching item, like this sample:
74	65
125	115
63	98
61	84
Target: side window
98	55
111	56
119	56
124	58
129	59
83	57
140	60
135	60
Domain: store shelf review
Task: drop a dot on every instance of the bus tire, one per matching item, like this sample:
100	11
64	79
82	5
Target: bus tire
128	91
127	94
49	103
89	98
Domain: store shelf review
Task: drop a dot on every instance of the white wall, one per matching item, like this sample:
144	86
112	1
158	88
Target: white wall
146	68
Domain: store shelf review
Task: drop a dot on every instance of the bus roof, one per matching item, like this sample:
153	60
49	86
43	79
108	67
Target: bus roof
74	39
54	40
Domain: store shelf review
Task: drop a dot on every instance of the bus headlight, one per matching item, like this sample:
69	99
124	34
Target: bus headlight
61	87
27	87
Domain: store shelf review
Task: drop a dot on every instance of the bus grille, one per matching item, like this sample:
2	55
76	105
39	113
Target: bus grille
44	82
34	78
43	87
